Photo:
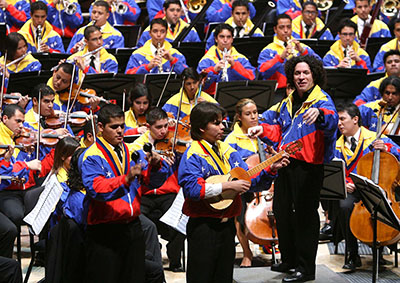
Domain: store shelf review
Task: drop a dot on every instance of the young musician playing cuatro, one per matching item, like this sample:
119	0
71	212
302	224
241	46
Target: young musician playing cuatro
211	233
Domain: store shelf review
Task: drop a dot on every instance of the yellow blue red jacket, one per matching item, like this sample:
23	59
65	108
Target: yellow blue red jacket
379	29
241	70
298	32
192	36
112	38
140	59
64	24
131	124
318	138
111	199
221	10
15	14
363	147
270	64
49	37
379	65
370	92
290	7
336	54
369	115
128	18
200	162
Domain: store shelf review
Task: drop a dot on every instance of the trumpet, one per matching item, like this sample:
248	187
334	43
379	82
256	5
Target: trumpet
39	38
195	6
390	7
160	68
324	5
347	55
120	7
224	76
69	7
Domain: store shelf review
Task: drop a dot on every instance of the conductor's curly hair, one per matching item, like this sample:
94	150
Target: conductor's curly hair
317	70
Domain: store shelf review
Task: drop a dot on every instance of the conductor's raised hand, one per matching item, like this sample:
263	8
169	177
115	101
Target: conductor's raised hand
311	116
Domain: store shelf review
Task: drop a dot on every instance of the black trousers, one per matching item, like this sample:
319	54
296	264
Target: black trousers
10	271
211	250
12	205
153	207
115	253
296	201
8	233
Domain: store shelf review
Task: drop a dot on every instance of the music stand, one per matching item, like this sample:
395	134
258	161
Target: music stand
49	60
374	44
211	27
334	186
123	55
321	47
229	93
155	84
130	33
3	31
374	199
193	52
251	47
25	81
374	76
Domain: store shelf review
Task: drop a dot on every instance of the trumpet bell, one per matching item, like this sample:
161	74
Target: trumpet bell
390	7
121	8
70	9
324	5
195	6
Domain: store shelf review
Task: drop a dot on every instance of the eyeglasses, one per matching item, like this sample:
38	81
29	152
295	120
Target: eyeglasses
348	34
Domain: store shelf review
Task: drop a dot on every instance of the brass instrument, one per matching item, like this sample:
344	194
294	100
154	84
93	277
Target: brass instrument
195	6
324	5
39	37
120	7
69	7
160	68
224	75
390	7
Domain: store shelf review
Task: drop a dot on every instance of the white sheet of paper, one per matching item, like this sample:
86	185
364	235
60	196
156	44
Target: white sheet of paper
174	216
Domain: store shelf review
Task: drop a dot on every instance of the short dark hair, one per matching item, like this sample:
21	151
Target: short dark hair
160	22
138	91
12	40
190	73
202	114
392	80
89	30
167	3
44	89
351	109
317	69
38	5
101	3
240	3
281	16
369	2
390	53
11	109
66	67
310	3
219	28
155	114
347	23
107	112
87	128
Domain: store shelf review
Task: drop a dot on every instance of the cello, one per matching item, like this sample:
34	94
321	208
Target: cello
383	169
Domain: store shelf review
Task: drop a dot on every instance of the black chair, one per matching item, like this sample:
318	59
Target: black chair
131	34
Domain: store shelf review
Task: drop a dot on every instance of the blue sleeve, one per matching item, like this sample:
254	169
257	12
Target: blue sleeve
180	65
330	60
218	12
133	12
143	38
210	41
366	115
379	66
75	20
75	39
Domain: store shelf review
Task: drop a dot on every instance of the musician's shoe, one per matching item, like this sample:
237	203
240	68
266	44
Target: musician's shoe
326	233
383	261
298	276
176	269
281	267
353	263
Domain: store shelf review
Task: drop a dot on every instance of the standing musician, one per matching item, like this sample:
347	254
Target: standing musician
223	62
99	15
123	12
355	142
172	11
307	114
371	91
39	33
346	52
308	23
192	95
157	55
98	62
211	233
379	65
114	237
14	14
140	100
273	57
221	10
240	21
390	92
65	16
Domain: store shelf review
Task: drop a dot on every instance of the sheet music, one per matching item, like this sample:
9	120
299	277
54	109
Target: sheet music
174	216
372	184
46	204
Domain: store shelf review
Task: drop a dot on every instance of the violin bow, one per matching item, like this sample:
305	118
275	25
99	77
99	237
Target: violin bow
39	126
92	121
69	95
387	124
69	109
203	76
123	99
178	116
3	80
165	85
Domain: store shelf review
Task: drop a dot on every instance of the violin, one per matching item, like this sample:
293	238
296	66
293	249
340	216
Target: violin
77	118
165	146
12	98
82	96
28	138
141	120
13	179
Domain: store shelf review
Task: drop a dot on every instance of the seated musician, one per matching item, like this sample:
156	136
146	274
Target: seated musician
191	95
379	62
124	12
99	15
221	10
39	33
113	187
161	199
346	52
390	92
98	62
371	91
14	13
140	100
65	20
308	23
208	156
220	67
240	21
273	57
157	55
355	142
173	11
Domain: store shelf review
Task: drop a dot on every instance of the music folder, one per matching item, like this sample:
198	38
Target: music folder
334	186
26	81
